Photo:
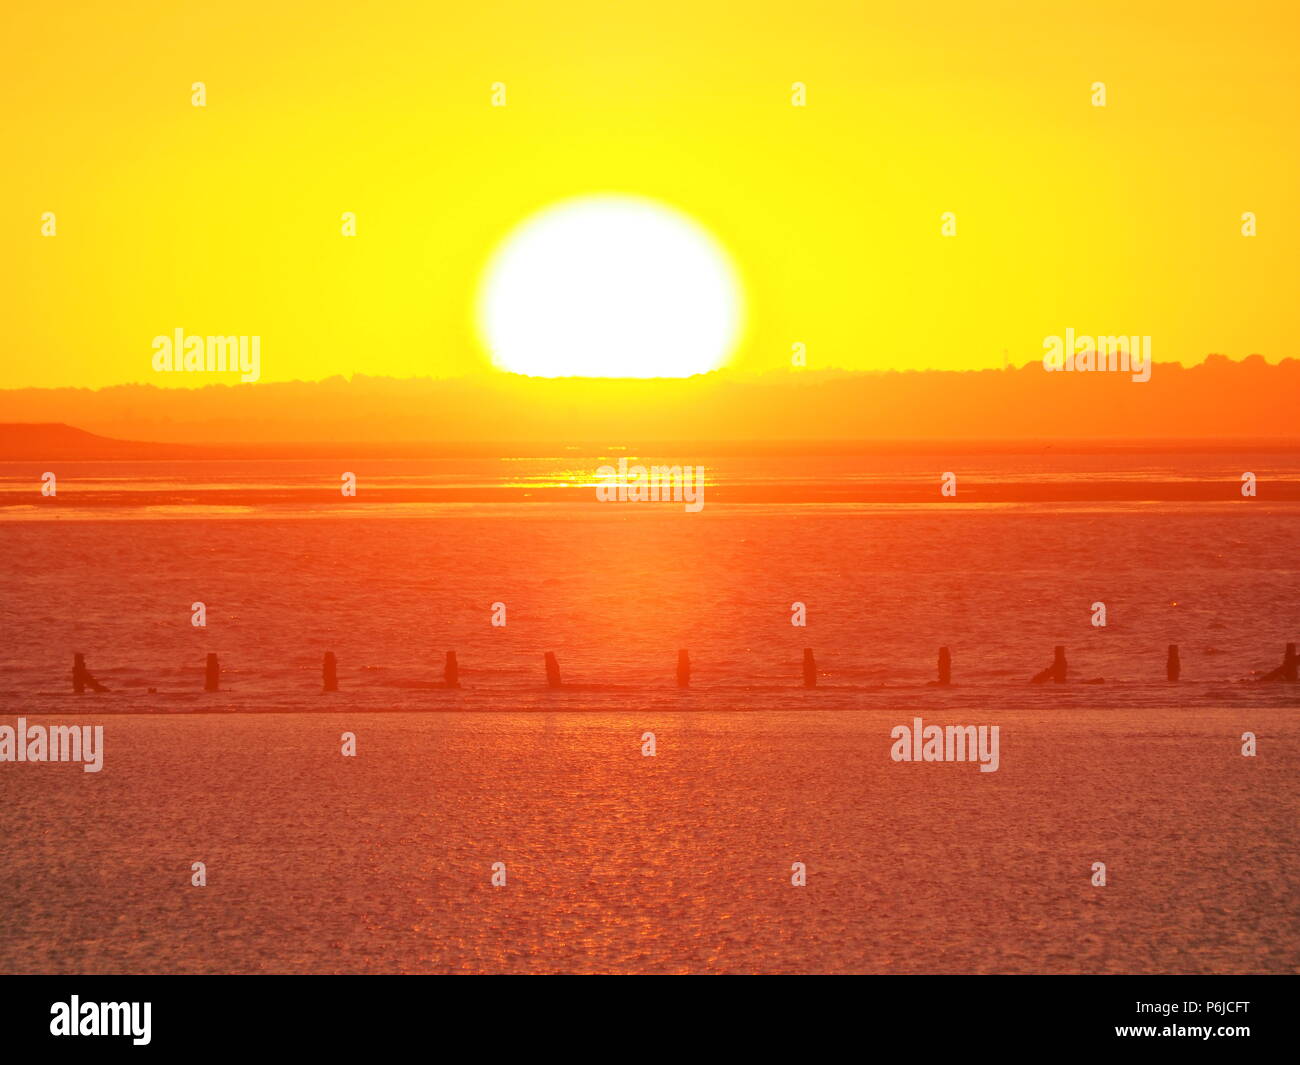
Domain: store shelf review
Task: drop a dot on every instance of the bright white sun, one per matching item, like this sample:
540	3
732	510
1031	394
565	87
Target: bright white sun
609	286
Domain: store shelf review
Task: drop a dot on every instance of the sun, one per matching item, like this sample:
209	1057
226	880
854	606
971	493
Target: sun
610	286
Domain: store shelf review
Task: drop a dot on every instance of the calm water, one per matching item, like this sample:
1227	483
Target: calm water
679	862
851	474
682	861
616	589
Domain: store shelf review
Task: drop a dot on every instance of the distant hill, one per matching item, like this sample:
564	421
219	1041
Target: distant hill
36	441
1218	399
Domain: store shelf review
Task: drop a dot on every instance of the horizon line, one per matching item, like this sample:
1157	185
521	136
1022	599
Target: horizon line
487	373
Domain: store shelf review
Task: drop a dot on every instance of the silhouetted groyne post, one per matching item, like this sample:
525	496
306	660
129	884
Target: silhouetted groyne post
683	669
1288	670
329	669
451	671
81	678
809	669
945	666
1172	666
212	674
552	671
1056	671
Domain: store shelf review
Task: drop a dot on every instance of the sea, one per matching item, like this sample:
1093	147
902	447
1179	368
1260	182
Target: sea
507	826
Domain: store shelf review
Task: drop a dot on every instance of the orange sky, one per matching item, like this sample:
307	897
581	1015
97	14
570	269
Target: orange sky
225	219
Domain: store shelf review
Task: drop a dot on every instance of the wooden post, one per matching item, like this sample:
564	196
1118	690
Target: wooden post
330	670
683	669
451	671
1173	667
945	666
809	669
552	670
1054	672
81	678
1289	668
211	674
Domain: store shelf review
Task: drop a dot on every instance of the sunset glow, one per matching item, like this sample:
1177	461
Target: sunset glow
609	286
650	488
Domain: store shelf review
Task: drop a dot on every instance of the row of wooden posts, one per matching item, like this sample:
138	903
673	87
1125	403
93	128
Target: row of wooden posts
1056	672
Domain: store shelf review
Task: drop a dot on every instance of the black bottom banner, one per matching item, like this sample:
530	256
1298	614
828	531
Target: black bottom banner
1241	1016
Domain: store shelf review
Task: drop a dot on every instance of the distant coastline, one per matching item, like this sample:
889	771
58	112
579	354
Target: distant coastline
1220	399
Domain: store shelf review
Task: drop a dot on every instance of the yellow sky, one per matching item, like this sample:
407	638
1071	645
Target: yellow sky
226	219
